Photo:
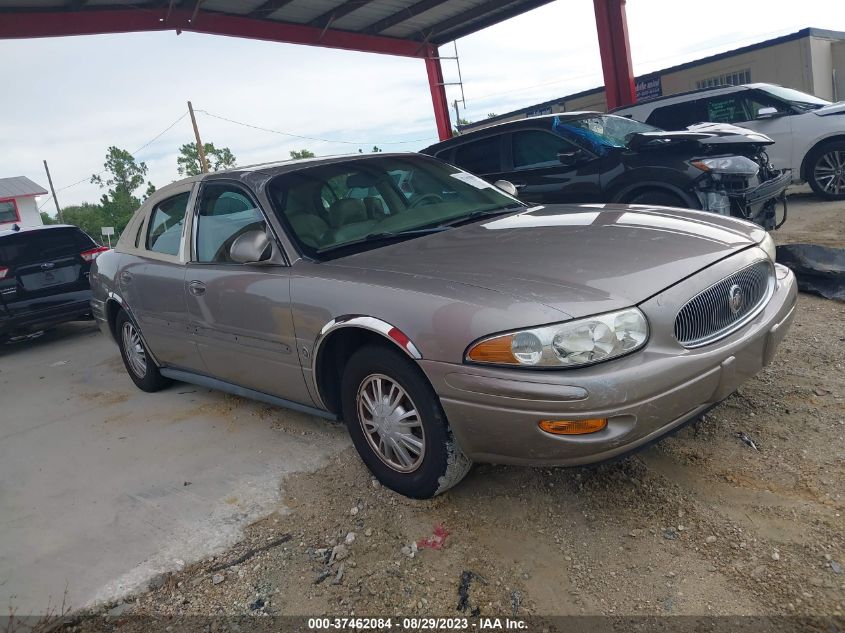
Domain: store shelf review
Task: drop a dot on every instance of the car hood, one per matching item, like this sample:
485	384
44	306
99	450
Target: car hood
833	108
579	259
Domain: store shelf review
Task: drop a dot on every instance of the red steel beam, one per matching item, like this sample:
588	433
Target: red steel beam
615	50
438	93
55	24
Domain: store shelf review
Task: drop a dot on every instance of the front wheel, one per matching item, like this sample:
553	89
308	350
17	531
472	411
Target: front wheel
658	198
826	171
398	426
139	364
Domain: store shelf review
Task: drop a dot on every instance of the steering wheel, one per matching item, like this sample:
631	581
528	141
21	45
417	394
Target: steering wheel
426	198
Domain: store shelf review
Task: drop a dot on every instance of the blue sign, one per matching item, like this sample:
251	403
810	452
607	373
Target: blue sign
649	87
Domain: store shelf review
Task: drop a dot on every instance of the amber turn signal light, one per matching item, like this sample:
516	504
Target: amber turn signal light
573	427
494	350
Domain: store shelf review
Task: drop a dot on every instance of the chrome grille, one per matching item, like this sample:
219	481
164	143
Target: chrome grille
725	306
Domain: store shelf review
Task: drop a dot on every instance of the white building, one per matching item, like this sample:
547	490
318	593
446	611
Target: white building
17	202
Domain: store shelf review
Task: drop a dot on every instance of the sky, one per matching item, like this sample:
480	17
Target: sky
73	97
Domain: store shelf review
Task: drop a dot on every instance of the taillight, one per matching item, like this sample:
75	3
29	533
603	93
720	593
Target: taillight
90	256
3	272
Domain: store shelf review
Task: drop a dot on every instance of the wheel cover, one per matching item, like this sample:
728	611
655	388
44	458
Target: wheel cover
136	356
829	172
391	423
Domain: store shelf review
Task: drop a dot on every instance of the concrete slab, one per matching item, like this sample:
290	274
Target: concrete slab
103	486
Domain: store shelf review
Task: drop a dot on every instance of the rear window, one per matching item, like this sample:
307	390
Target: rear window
480	157
36	246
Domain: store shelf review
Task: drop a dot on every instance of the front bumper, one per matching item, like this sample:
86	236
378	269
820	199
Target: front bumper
757	203
494	412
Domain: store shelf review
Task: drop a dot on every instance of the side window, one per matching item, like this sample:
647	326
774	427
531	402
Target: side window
224	213
480	157
727	109
165	225
678	116
754	102
535	148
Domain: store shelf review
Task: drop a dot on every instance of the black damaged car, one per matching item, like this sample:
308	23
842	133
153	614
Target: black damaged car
594	157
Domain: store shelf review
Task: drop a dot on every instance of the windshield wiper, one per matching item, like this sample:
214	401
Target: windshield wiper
383	236
475	215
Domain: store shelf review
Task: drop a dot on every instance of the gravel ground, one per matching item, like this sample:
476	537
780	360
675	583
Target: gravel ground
701	524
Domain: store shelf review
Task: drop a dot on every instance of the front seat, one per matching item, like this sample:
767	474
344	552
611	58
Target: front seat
310	228
348	217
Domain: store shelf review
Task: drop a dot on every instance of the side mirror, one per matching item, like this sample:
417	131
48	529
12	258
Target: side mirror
251	247
570	159
507	186
767	113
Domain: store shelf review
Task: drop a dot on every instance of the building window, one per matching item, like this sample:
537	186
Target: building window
727	79
9	211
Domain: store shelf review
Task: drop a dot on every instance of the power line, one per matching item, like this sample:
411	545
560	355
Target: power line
309	138
100	173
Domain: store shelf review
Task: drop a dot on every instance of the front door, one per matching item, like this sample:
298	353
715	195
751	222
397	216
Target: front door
240	313
549	169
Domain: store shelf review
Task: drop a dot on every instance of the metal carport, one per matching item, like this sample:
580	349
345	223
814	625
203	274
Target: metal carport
410	28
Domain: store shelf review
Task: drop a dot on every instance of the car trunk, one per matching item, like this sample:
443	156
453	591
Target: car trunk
41	266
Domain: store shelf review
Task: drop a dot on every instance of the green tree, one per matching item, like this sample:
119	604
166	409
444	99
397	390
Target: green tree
46	218
188	161
123	176
492	115
296	154
88	217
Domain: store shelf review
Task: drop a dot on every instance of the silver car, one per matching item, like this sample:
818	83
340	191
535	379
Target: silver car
445	323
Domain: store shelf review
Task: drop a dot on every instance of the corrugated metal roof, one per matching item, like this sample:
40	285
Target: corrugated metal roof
19	186
430	21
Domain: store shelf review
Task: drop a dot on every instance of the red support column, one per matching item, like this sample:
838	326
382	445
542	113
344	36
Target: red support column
438	93
615	52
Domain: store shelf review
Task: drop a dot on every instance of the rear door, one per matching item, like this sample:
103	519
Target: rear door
240	313
151	279
482	157
45	268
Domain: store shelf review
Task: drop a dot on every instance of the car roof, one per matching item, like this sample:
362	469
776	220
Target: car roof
723	89
32	229
274	168
574	115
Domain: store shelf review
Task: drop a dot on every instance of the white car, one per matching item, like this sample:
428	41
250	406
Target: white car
809	132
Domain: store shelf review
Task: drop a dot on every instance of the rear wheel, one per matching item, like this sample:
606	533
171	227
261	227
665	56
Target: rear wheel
139	364
826	171
398	426
658	198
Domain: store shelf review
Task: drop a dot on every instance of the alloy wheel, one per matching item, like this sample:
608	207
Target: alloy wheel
136	357
829	172
391	423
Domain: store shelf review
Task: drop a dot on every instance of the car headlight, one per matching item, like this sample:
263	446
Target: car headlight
768	245
728	165
571	344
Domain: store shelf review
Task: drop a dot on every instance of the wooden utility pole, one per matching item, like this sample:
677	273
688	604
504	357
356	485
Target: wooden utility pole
53	191
200	148
457	116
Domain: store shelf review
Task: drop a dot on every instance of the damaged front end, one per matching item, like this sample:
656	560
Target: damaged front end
737	177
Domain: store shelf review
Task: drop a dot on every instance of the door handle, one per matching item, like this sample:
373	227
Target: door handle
126	277
196	288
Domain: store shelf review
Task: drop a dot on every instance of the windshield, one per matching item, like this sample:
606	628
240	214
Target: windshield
600	133
366	201
796	98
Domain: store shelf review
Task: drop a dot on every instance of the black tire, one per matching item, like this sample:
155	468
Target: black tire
658	198
829	157
149	379
442	463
